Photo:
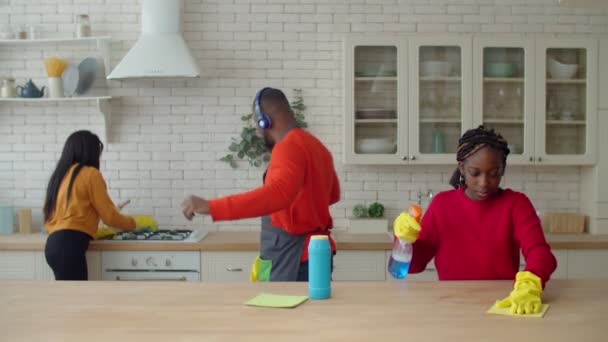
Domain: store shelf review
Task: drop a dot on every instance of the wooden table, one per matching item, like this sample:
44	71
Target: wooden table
375	311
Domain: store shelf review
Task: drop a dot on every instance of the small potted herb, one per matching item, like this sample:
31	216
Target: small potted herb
368	219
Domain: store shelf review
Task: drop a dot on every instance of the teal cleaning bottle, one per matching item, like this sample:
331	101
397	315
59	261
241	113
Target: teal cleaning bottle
319	267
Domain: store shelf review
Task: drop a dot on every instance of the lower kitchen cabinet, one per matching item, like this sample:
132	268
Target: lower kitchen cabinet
348	265
226	266
31	265
18	265
360	266
587	264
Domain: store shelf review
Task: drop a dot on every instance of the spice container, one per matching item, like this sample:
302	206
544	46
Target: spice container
7	87
83	26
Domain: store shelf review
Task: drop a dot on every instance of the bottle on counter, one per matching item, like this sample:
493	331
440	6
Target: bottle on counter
83	26
319	267
401	255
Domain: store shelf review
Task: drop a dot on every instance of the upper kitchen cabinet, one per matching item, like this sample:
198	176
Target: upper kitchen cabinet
566	106
440	97
405	107
503	88
375	100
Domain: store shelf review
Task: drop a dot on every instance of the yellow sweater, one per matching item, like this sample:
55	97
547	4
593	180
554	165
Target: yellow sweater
89	201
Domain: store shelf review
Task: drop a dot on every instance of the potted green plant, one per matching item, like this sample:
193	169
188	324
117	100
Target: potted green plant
250	147
368	219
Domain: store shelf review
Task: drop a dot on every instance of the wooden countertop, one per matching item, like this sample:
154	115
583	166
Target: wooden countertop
357	311
249	241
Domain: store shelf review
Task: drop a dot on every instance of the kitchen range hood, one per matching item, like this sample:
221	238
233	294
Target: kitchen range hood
161	50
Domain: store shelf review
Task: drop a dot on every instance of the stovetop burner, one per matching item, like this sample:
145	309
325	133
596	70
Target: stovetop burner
159	235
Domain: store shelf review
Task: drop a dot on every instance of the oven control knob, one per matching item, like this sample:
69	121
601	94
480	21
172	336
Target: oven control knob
134	262
168	262
150	261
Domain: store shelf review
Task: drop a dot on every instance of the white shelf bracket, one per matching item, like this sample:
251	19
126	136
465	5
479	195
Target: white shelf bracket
104	107
103	45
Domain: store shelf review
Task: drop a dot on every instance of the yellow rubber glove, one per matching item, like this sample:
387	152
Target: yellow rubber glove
145	222
406	227
104	232
525	297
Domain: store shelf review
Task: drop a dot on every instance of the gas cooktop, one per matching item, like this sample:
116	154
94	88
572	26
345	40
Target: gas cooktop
161	235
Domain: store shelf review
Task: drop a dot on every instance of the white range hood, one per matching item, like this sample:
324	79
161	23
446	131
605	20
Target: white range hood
161	50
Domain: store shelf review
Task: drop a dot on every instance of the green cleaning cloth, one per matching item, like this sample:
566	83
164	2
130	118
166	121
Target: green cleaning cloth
276	301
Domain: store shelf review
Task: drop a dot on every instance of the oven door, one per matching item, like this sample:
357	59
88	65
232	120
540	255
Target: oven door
143	275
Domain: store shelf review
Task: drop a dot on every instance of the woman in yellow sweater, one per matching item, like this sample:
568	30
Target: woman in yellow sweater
76	198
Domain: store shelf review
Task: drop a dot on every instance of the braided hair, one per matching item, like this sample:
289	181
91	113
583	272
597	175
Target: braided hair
472	141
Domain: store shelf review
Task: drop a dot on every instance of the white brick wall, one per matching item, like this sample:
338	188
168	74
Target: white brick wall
167	135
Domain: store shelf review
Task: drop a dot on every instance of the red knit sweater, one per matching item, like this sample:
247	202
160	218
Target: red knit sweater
473	240
300	185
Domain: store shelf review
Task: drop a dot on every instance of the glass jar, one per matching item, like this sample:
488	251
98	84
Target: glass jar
83	26
7	87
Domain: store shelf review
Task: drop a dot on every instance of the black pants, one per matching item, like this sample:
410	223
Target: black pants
65	252
303	271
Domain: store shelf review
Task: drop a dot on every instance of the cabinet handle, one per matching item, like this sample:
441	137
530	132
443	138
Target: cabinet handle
540	159
232	269
531	158
412	157
404	158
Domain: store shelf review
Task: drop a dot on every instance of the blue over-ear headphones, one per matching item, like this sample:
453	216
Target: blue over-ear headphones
263	121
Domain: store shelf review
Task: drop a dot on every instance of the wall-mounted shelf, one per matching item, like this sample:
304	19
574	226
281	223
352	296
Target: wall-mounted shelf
103	46
103	105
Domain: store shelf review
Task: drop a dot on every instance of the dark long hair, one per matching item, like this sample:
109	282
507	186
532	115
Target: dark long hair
472	141
82	148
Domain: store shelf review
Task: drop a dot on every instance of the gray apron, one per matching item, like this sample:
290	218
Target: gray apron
283	249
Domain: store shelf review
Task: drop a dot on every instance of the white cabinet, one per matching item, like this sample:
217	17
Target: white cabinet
18	265
226	266
407	100
31	265
540	94
348	265
503	79
405	107
359	266
439	97
103	48
566	106
587	264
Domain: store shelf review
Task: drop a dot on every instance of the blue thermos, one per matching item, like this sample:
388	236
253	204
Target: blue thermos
319	267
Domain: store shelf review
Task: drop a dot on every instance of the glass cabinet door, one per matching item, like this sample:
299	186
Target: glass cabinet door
504	79
568	114
438	98
373	133
565	121
504	94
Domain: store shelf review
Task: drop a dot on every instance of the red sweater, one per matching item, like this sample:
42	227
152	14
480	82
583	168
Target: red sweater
300	185
474	240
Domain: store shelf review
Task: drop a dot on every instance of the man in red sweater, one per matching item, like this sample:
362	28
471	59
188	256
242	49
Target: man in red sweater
476	231
299	186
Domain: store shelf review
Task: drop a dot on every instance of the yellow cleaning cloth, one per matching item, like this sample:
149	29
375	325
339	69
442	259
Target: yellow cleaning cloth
507	312
276	301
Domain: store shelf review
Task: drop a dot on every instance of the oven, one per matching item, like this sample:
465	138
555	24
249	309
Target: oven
151	265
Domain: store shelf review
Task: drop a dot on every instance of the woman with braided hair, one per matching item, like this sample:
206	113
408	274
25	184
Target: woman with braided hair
477	230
